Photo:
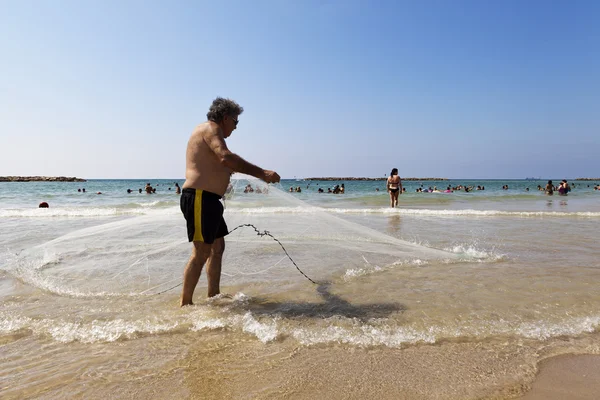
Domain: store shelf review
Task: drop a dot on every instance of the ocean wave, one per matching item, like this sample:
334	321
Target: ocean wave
369	268
409	211
142	209
493	213
167	207
267	328
473	253
381	333
155	204
276	210
91	332
468	254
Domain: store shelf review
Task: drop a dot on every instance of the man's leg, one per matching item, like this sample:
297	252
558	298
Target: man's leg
213	268
200	253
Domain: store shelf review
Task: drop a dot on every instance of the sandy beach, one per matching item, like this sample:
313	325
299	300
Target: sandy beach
445	372
569	376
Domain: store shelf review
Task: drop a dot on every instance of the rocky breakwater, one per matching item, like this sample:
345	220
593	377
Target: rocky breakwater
40	179
372	179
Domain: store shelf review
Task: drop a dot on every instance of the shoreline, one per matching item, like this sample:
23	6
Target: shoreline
40	179
566	376
371	179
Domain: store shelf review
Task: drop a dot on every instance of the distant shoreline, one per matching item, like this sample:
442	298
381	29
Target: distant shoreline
587	179
40	179
372	179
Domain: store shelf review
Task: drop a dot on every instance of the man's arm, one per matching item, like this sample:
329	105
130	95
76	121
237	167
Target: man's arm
217	144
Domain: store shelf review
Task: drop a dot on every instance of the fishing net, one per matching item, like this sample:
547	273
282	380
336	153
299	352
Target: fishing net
278	239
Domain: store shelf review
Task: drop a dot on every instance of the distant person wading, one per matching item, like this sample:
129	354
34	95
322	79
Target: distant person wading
394	187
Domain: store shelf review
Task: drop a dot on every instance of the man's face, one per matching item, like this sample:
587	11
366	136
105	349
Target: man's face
230	125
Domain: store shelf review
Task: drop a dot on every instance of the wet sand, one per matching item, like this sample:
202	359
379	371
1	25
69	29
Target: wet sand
574	377
225	365
449	371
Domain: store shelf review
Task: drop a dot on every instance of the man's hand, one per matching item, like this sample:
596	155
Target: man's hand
270	176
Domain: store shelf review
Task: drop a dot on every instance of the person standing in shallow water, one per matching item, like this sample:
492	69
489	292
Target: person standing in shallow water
549	188
209	165
394	187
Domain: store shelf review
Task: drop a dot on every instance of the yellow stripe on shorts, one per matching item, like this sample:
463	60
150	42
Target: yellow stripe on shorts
198	216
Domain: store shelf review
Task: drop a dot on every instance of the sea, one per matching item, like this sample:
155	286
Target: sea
448	296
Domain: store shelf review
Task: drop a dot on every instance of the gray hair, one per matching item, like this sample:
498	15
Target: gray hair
221	108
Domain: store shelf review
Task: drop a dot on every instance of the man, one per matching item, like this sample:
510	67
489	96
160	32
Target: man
209	165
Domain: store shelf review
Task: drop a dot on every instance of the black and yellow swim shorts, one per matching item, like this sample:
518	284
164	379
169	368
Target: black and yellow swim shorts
203	213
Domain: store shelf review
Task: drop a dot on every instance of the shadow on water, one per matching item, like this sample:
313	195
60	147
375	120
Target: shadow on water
332	306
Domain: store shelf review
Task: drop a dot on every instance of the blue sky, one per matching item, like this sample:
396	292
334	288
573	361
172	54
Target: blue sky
456	89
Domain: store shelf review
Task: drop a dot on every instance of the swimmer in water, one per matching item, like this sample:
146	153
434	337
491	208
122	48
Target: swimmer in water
549	188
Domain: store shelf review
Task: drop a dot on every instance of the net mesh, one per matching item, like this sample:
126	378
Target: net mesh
145	255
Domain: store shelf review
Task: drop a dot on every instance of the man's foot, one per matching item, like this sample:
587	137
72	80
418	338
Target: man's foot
183	303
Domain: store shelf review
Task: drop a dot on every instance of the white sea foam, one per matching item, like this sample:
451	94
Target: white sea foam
468	253
337	329
372	269
155	203
364	335
90	332
276	210
493	213
409	211
356	272
107	331
11	324
381	333
154	208
264	331
571	327
84	212
209	324
473	253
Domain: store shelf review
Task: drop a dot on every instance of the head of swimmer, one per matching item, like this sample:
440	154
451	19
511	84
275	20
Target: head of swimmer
225	113
394	172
